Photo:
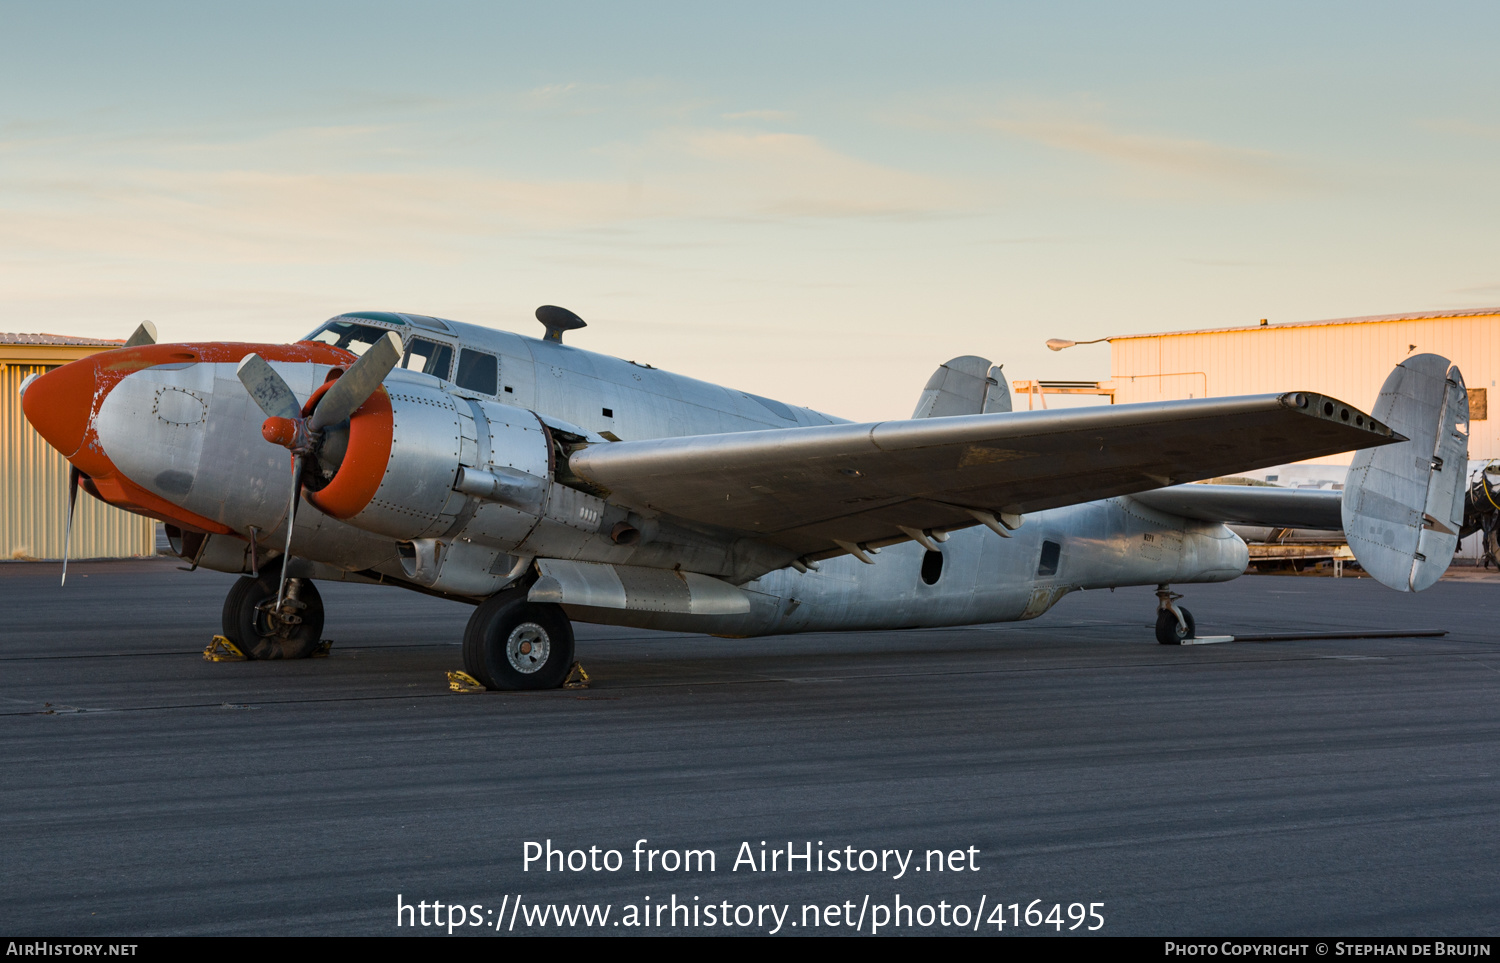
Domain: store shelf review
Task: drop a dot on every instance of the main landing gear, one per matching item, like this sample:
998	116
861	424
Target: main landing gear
511	643
1174	624
261	631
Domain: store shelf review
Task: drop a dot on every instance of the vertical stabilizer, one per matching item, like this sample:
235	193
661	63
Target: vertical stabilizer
962	386
998	397
1403	504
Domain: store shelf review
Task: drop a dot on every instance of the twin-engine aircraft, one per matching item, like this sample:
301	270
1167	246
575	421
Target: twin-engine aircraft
544	483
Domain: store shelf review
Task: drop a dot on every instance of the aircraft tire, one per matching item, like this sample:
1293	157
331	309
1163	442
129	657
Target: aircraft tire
511	643
247	627
1168	632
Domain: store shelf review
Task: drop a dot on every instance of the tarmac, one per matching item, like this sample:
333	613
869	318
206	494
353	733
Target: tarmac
1318	788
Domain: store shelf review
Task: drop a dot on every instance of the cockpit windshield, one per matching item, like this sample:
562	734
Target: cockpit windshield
347	335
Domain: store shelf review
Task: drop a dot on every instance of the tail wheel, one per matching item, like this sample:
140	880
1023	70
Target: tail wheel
1169	631
261	633
511	643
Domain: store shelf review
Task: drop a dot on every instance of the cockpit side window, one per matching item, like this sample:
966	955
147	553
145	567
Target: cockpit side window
347	335
478	372
429	357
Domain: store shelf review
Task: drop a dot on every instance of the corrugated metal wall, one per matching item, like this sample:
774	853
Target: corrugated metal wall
34	501
1347	361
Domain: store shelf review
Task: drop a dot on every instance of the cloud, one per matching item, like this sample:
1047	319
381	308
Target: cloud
1461	126
794	175
355	192
1171	156
267	216
770	116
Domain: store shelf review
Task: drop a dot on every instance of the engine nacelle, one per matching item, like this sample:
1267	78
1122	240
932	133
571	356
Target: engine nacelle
458	567
408	444
472	490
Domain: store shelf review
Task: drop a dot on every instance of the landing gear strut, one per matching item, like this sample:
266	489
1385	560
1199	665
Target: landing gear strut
258	629
1174	624
511	643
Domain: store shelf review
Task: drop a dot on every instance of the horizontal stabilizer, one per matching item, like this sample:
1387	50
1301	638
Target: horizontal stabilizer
1250	505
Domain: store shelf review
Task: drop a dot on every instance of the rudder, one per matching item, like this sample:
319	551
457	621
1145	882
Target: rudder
1403	504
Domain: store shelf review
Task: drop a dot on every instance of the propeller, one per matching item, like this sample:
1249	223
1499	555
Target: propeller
307	437
73	476
145	333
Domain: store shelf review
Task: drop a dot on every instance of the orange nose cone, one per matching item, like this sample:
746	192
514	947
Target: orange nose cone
60	402
279	431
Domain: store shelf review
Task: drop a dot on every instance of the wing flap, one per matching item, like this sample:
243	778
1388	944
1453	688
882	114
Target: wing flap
801	488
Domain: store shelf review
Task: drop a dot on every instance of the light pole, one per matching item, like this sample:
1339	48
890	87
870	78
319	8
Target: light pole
1057	344
1038	389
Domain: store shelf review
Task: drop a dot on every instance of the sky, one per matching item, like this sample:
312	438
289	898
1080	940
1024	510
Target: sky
816	202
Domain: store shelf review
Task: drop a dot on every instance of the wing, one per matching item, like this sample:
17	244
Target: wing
806	489
1251	505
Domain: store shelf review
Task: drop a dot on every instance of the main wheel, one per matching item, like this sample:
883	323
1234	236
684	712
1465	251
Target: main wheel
1168	632
511	643
259	632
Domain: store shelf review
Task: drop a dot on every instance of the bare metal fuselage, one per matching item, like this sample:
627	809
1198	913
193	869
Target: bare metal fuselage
191	434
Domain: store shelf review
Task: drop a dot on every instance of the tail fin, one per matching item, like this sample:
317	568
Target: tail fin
964	386
998	396
1403	504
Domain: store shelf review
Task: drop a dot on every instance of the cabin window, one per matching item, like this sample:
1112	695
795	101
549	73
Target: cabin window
349	336
1051	552
428	357
478	371
932	567
431	324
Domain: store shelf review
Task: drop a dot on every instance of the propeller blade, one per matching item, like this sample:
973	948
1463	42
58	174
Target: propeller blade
267	388
73	475
291	523
145	333
358	383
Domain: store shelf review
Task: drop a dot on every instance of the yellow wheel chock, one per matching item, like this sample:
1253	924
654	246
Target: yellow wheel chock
223	650
463	682
577	678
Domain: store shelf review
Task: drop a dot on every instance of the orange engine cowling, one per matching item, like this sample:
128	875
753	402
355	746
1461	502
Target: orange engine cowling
404	449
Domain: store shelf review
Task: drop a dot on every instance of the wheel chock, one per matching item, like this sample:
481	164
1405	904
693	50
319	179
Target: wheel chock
223	650
463	682
1207	640
321	652
577	678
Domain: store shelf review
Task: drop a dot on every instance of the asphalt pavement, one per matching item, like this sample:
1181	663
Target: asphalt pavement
1343	787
